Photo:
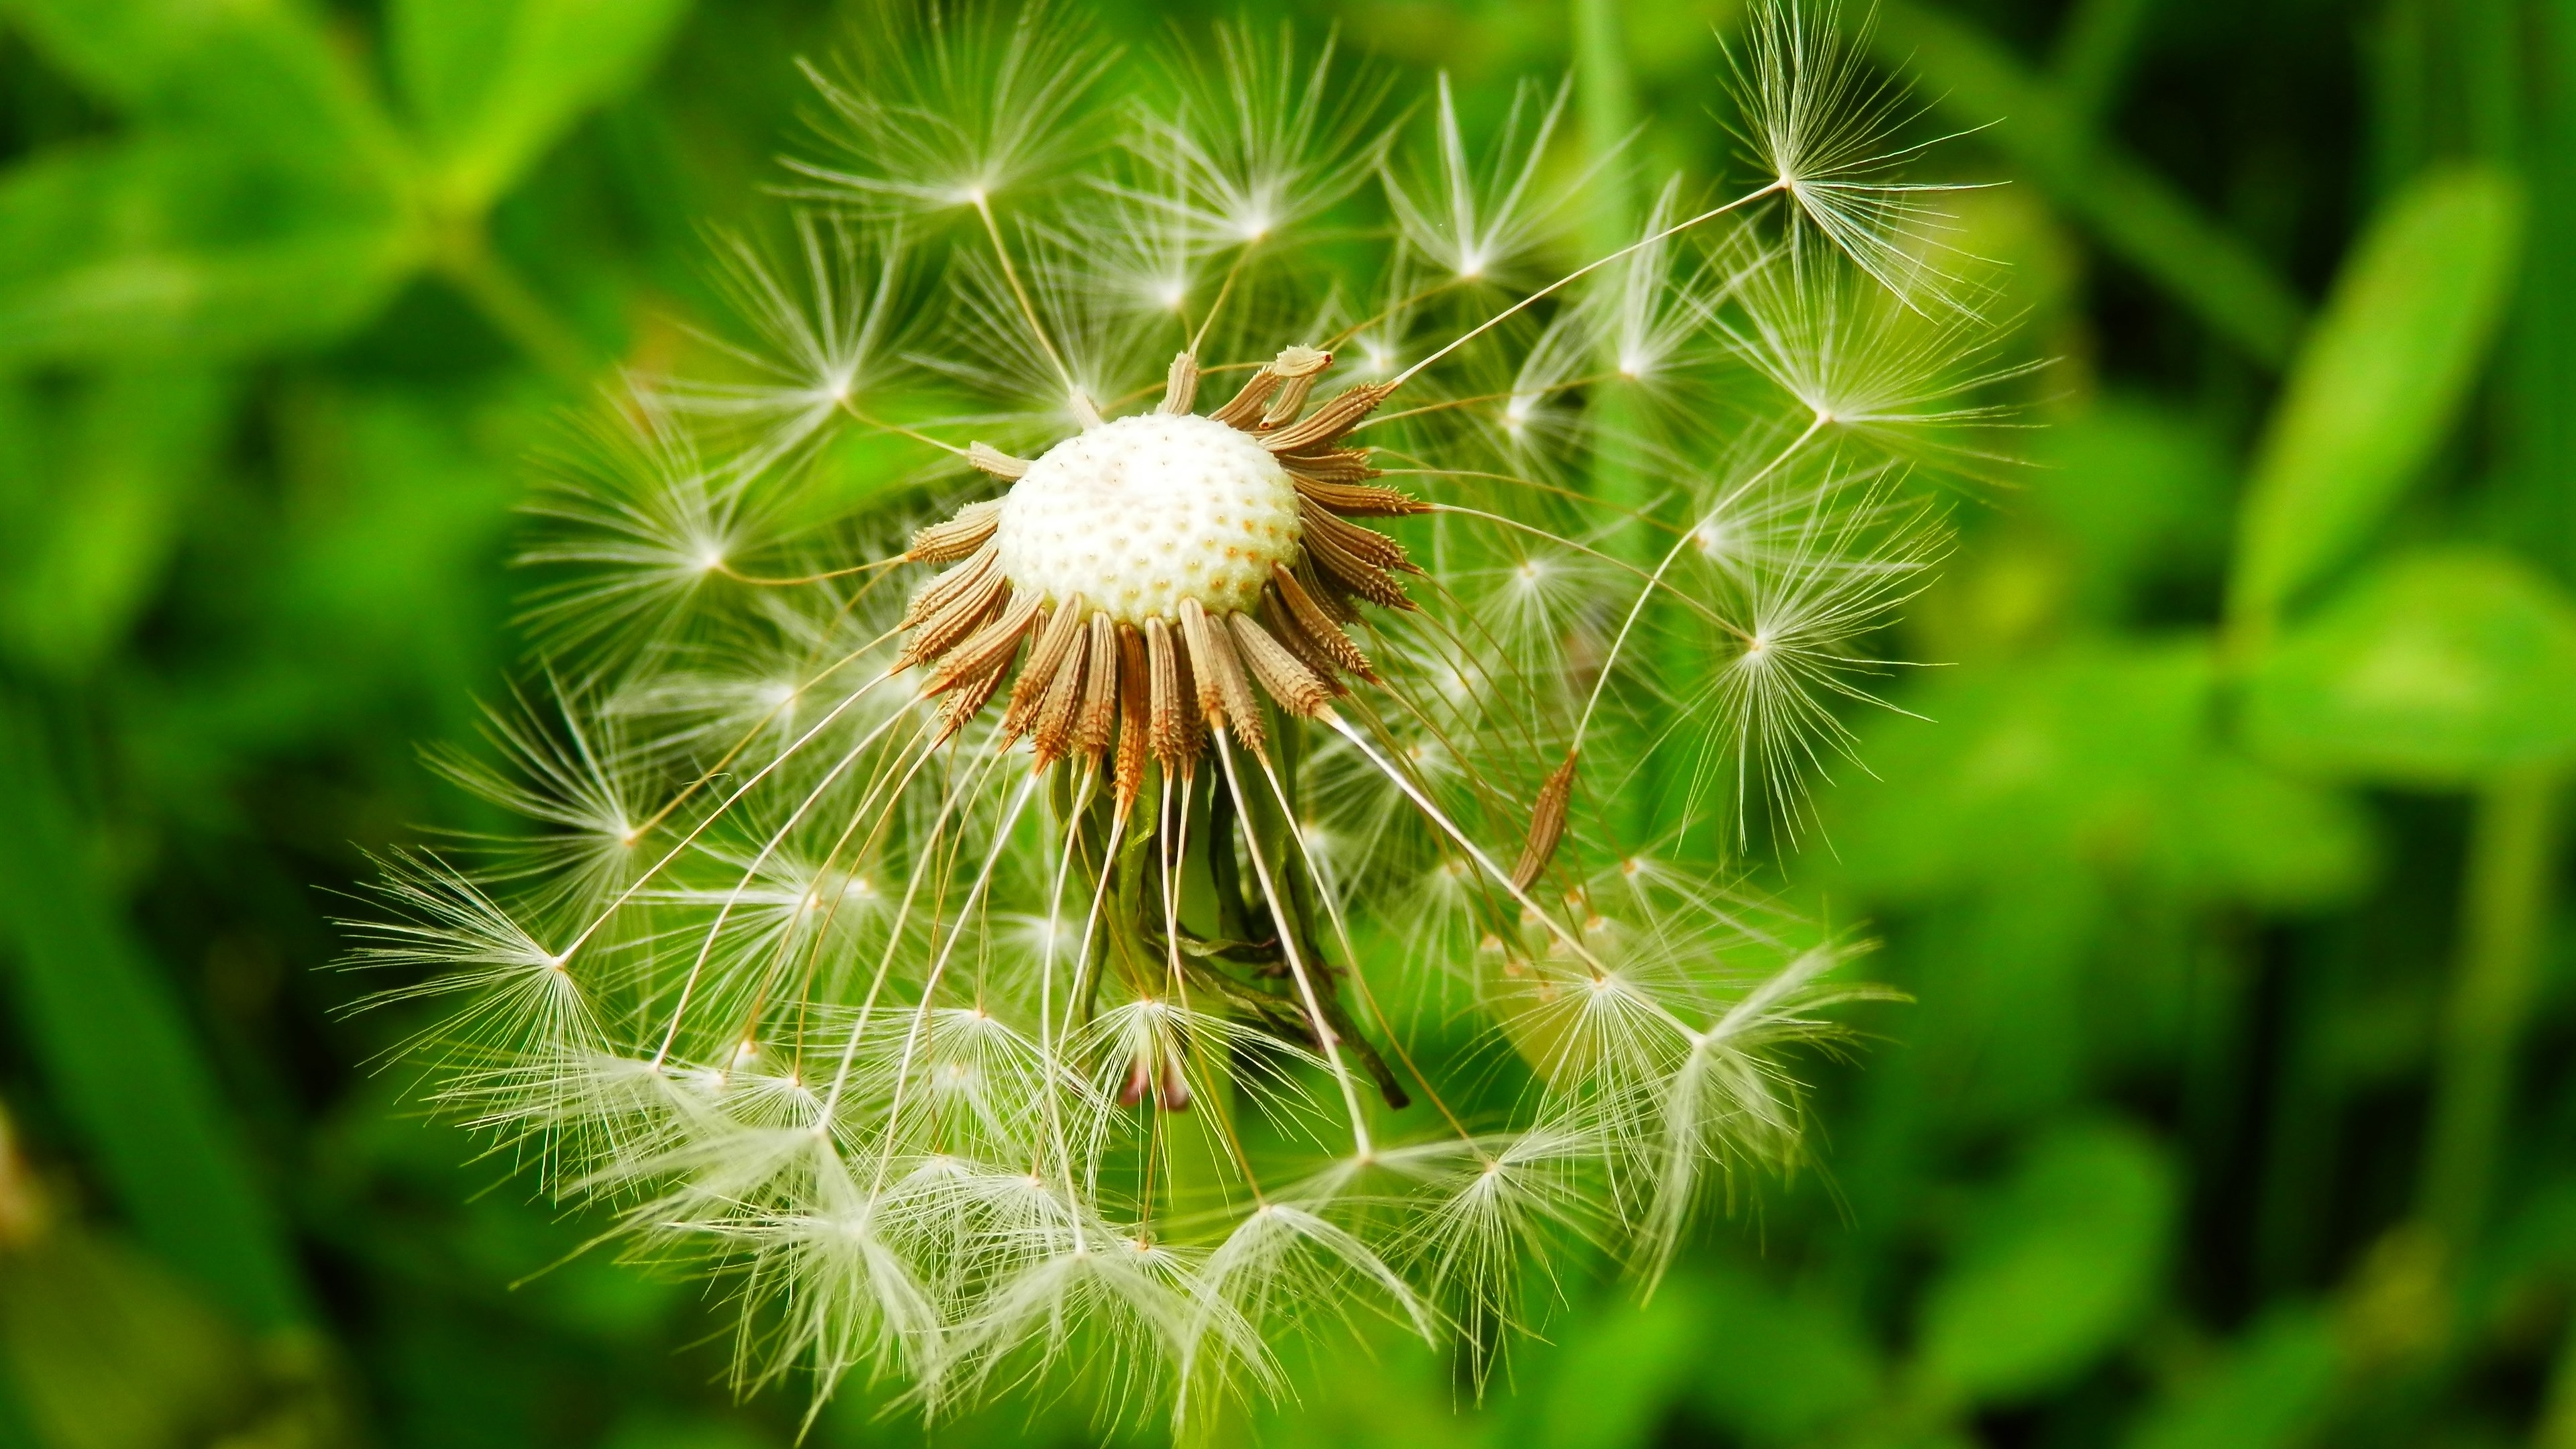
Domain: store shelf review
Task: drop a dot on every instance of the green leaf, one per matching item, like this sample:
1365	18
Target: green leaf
2270	1391
1778	1369
91	488
2095	755
2059	1265
2439	669
254	75
176	250
1609	1386
493	83
2141	490
2377	384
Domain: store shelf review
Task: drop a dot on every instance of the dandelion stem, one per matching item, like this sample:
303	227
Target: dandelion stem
1273	893
750	872
1225	289
822	929
1653	579
609	912
759	727
1446	404
1047	1064
1645	519
464	256
1359	978
913	883
1336	341
1214	1080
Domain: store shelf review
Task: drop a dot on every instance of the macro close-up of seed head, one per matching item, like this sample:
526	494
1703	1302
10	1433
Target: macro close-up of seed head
1348	724
1161	563
1236	830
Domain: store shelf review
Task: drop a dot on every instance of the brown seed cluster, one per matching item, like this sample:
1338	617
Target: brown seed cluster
1116	694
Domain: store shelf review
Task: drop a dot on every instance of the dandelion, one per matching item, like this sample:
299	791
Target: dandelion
1016	918
1478	226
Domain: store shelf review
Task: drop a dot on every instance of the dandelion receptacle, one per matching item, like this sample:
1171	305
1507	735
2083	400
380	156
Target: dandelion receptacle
1077	747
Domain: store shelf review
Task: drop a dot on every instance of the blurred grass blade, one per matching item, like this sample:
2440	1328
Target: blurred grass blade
2376	385
2541	507
2142	218
111	1352
2097	46
118	1055
2505	916
493	83
2438	670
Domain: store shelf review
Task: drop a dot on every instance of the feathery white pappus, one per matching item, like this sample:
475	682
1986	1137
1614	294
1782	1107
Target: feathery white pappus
1054	728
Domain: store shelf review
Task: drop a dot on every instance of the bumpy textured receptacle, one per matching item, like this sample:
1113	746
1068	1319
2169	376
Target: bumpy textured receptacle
1143	512
1157	567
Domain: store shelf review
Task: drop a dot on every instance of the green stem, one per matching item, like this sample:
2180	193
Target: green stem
1606	100
2557	1427
466	259
2136	212
2490	65
2504	908
2540	507
2096	46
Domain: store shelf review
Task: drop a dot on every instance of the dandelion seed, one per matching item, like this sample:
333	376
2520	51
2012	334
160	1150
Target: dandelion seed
1480	224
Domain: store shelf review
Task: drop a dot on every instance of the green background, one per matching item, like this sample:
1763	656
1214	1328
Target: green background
2223	863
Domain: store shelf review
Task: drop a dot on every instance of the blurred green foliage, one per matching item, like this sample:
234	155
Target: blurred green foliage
2220	857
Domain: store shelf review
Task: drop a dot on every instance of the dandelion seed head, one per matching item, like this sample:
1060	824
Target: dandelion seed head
1143	512
913	915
